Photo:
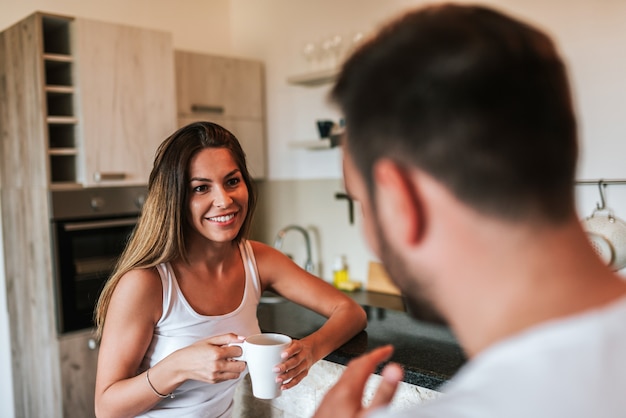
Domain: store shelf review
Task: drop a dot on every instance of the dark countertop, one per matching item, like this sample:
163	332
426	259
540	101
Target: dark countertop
428	352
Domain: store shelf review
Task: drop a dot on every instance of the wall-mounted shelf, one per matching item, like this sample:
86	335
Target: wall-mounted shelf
314	144
332	141
313	79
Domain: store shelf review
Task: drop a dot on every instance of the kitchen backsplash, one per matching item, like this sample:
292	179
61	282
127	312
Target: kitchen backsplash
312	205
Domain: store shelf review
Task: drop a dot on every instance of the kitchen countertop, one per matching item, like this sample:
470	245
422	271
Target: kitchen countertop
428	352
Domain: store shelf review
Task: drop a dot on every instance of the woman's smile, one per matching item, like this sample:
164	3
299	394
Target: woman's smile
223	219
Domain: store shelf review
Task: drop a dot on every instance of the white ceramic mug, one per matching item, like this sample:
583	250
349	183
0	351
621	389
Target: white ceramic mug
262	353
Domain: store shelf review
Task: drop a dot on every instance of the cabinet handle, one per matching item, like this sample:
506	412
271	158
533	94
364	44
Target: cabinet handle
98	176
207	108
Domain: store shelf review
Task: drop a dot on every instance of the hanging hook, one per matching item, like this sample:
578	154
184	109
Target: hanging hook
601	186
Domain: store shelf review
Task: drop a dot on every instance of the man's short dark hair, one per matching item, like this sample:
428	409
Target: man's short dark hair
475	98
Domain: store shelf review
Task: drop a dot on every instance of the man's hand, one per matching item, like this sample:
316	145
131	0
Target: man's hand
345	398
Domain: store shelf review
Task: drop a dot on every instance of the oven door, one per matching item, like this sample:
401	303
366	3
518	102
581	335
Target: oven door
86	254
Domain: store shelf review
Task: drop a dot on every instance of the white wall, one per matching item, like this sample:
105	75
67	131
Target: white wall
196	25
6	375
276	31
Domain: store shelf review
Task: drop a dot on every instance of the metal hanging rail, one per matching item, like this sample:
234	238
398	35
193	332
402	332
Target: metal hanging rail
605	182
601	183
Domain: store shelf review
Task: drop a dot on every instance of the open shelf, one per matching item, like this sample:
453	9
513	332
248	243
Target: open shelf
60	99
62	151
315	78
58	73
314	144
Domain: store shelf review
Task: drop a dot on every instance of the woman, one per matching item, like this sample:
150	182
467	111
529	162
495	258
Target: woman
188	284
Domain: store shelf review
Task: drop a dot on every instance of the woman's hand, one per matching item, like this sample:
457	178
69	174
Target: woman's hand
211	360
298	360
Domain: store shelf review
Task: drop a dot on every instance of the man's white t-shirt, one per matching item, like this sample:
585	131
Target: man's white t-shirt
570	368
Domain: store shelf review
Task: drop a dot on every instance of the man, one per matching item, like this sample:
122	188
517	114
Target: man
461	148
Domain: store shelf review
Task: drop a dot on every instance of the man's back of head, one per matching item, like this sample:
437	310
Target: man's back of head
461	148
475	98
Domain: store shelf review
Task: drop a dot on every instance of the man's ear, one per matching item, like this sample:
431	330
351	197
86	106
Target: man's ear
398	203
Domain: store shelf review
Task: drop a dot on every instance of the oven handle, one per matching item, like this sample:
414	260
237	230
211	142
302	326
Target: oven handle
83	226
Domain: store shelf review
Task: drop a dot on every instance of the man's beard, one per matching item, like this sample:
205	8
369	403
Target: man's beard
414	293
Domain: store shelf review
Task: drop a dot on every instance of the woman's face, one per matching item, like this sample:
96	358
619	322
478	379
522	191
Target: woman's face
218	196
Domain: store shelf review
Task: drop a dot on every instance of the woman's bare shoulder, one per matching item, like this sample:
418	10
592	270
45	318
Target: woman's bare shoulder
137	296
258	246
265	253
140	283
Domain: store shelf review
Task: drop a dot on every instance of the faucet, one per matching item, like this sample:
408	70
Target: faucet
278	243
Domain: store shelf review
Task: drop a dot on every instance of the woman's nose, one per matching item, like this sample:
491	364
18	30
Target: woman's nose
222	198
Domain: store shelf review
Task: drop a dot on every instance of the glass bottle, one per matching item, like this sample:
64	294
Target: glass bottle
340	271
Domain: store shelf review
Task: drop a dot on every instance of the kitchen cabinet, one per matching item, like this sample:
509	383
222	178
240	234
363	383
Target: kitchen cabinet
127	99
24	188
104	95
79	358
227	91
76	97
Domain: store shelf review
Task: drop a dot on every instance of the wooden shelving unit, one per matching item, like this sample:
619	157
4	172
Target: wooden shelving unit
61	104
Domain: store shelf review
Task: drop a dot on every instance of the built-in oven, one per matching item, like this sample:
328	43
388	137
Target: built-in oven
90	228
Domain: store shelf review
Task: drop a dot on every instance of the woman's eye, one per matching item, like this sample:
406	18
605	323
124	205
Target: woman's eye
233	182
201	189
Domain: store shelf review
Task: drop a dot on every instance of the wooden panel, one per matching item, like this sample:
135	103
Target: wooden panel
228	91
26	228
233	84
79	360
28	275
251	136
127	96
23	128
378	280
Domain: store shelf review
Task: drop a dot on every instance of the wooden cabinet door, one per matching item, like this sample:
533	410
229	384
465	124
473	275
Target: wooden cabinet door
209	85
79	359
127	95
251	136
229	92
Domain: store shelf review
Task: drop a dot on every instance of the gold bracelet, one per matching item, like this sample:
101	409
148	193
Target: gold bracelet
156	392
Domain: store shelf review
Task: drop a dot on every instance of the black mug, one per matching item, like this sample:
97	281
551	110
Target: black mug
324	127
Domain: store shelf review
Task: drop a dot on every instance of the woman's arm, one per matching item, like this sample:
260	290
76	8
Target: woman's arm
134	310
345	317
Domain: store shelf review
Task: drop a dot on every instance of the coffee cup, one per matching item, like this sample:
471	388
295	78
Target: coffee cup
262	352
324	127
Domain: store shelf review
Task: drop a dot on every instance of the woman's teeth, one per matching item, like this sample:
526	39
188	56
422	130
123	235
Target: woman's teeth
222	218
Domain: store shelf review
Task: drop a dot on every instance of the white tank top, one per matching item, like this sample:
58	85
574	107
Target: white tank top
180	326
